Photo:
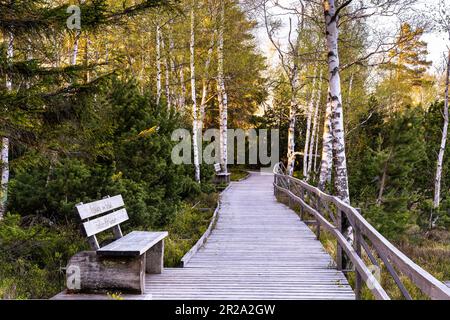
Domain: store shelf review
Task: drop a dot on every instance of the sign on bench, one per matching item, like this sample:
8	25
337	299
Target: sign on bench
120	265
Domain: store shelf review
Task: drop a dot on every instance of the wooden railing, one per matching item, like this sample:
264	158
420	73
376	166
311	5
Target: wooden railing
358	242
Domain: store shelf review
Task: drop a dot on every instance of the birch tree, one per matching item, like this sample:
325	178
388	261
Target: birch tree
289	60
75	48
195	131
183	89
4	154
331	13
221	90
158	63
314	126
309	116
443	23
212	11
327	146
205	83
167	71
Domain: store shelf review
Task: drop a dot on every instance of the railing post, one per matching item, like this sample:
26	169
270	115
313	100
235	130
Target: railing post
358	279
357	246
289	188
302	196
275	184
318	223
342	260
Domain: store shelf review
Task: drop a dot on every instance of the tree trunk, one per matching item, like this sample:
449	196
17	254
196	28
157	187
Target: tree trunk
205	84
183	88
340	161
383	180
167	72
350	87
73	60
195	140
221	92
174	99
158	63
4	154
327	146
314	127
292	119
316	148
308	127
438	177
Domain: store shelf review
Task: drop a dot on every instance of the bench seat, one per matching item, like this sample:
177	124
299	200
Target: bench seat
133	244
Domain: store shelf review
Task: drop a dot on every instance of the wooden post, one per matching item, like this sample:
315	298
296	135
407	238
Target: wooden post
89	272
274	184
357	246
289	196
358	279
318	223
155	258
342	260
302	196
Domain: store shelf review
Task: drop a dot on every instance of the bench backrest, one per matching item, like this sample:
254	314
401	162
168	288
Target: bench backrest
112	215
217	167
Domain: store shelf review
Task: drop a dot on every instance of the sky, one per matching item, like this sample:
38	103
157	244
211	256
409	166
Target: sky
437	43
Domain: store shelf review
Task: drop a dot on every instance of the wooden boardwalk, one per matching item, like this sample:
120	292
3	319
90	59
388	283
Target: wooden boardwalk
259	249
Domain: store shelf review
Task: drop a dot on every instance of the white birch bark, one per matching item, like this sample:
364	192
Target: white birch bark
335	96
350	87
314	127
438	177
327	146
292	119
158	63
74	56
195	140
221	92
174	99
166	72
205	83
316	148
4	154
309	112
182	102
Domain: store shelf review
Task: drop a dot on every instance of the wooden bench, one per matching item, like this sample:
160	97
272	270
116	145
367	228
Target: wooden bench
120	265
221	177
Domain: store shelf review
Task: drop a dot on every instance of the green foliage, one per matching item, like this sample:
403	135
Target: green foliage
32	252
136	163
187	227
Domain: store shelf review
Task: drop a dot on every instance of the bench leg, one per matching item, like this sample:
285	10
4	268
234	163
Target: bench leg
155	258
88	272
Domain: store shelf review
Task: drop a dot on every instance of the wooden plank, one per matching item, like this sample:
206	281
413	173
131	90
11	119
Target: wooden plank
98	207
105	222
205	235
133	244
259	249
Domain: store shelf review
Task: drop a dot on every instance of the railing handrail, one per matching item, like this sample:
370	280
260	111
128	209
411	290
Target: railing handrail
428	284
